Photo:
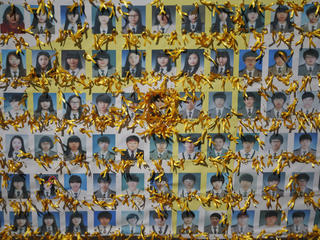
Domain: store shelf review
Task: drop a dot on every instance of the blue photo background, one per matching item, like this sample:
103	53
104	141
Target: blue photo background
153	144
5	53
154	58
112	54
63	10
141	53
225	176
1	219
94	14
5	6
250	214
239	145
67	95
242	64
140	186
12	214
142	10
168	221
313	144
84	217
194	221
36	99
83	181
95	95
167	175
196	184
55	214
271	57
282	179
305	220
8	96
197	148
35	54
95	146
304	17
96	220
184	55
112	185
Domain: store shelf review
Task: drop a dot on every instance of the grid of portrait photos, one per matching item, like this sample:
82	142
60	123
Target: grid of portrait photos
88	160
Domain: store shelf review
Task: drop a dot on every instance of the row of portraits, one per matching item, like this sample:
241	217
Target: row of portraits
219	105
298	221
105	186
134	63
133	147
163	20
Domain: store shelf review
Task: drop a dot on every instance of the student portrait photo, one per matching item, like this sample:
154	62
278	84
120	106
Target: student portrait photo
160	223
163	184
308	102
223	62
46	105
160	148
220	145
317	217
219	104
163	20
254	20
192	62
76	222
103	20
42	61
298	221
242	222
276	144
193	22
189	183
12	18
249	105
309	62
274	180
282	22
103	102
20	221
133	151
47	190
17	144
191	107
42	21
280	62
15	105
49	222
76	184
131	102
135	20
162	63
105	185
270	220
305	143
212	223
105	222
71	18
304	183
133	184
102	146
245	184
133	220
216	184
133	62
73	105
189	146
73	62
105	65
19	186
250	65
248	146
222	20
310	18
13	63
74	148
277	105
187	221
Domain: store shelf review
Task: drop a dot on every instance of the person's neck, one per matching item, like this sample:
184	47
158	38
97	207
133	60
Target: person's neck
14	68
19	189
190	110
250	22
247	150
131	66
103	112
160	151
104	190
73	68
278	109
249	107
74	111
132	190
282	22
162	24
76	191
74	151
307	107
104	25
189	189
190	152
218	150
133	25
250	69
304	149
276	150
310	65
280	65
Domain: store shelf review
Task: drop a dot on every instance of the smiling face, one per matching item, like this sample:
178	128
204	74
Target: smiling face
42	17
14	61
18	185
302	183
193	60
219	102
218	144
13	19
16	144
132	145
76	221
43	61
73	18
75	186
73	62
133	59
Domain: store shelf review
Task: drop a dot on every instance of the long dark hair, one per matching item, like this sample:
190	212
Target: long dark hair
100	55
52	187
45	97
192	11
138	66
140	26
74	139
102	12
70	227
74	11
187	67
48	215
18	178
7	70
169	65
12	11
281	8
38	67
35	20
21	215
216	26
223	54
11	150
157	12
259	21
68	111
73	54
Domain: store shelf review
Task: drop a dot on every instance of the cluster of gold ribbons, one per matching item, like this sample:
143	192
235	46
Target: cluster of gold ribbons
154	121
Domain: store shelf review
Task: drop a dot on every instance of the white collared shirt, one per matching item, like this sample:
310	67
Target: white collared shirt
222	24
74	115
278	153
221	69
18	193
105	71
251	110
188	113
193	26
215	228
308	67
74	154
244	154
74	26
252	25
282	25
192	155
165	28
312	25
185	226
219	109
13	72
218	153
74	72
276	112
185	193
104	29
248	72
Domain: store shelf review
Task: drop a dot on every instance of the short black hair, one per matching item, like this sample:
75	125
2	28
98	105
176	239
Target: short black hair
249	54
307	95
132	215
274	177
103	139
276	136
15	97
248	138
187	214
189	176
45	139
156	215
279	95
130	177
297	214
305	136
303	176
217	177
246	177
249	94
280	54
75	179
271	214
311	52
217	215
242	214
311	9
219	136
219	95
103	97
105	178
132	138
105	214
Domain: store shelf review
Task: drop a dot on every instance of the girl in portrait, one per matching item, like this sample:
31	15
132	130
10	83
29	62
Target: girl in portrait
21	223
222	20
74	108
47	190
74	149
45	146
76	224
103	22
72	19
49	224
133	22
14	66
43	63
45	106
73	63
133	64
281	21
192	64
16	106
163	21
18	188
164	64
192	22
12	21
16	145
42	22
